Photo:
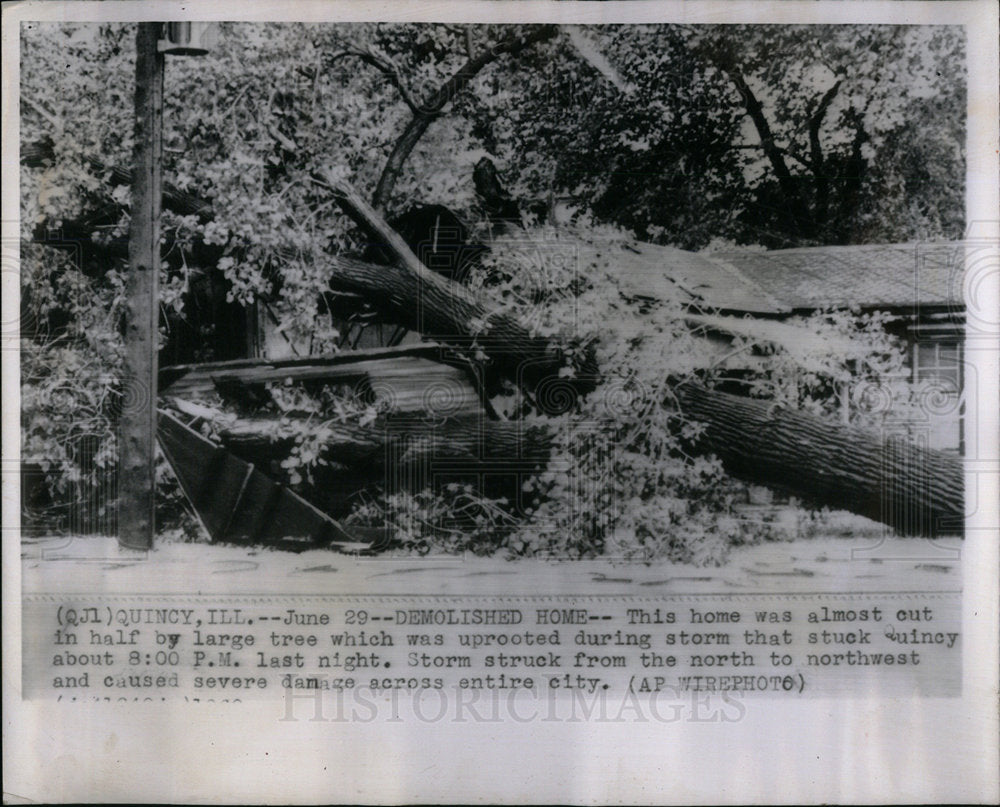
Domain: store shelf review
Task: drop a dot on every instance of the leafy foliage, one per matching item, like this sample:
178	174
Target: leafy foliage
864	121
620	480
454	520
672	155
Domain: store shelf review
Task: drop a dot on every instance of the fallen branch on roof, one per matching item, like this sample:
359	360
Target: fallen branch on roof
410	294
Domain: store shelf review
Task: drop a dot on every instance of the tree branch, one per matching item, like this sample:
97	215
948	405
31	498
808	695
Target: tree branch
373	225
756	112
784	150
410	294
816	153
51	118
774	154
384	65
435	104
38	155
855	170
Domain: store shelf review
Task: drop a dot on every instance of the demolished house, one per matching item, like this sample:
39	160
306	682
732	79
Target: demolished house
439	425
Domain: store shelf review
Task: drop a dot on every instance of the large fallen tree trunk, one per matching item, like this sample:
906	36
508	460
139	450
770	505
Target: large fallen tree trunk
403	440
914	490
410	294
441	309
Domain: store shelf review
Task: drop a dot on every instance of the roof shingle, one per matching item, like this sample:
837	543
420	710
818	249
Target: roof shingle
868	275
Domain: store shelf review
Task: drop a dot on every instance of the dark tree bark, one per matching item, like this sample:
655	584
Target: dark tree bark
814	205
914	490
794	211
412	439
410	294
822	209
446	311
854	175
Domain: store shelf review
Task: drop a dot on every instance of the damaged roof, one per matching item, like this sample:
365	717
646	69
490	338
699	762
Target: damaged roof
660	272
787	280
869	275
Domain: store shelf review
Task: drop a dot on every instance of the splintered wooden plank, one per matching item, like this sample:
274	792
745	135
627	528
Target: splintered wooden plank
238	503
407	383
186	377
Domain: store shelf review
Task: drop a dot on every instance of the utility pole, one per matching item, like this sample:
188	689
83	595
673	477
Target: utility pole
137	434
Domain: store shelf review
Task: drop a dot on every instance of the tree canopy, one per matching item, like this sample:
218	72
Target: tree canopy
775	135
780	136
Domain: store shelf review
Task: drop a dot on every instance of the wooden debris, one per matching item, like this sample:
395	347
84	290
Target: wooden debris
400	380
237	503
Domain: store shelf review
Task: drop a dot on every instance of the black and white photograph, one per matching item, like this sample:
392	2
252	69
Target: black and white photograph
557	353
516	291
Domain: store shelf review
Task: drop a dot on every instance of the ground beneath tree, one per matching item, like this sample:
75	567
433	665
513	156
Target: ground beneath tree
822	564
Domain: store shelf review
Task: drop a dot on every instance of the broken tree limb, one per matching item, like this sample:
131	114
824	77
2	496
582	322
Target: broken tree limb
443	310
374	226
412	295
397	454
428	303
915	491
411	440
431	107
42	153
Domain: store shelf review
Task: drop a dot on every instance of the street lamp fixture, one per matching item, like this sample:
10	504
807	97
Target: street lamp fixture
188	38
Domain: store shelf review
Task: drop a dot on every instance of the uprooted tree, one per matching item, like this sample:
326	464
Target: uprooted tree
609	399
914	490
